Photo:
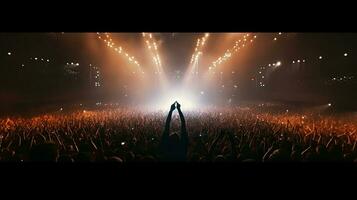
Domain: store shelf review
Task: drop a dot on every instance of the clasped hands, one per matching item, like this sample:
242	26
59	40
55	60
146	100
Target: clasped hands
175	105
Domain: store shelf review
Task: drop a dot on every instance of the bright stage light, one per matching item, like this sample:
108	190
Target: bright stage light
186	102
186	98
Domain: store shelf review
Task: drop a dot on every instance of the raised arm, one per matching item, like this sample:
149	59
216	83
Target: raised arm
165	135
184	133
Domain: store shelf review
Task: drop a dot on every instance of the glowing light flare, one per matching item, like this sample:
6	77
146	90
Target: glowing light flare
119	49
242	42
153	49
197	54
184	97
199	47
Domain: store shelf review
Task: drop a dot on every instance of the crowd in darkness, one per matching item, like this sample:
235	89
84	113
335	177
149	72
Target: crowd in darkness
216	135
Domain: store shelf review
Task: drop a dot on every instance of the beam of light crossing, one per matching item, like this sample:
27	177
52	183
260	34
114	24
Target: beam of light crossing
152	46
106	38
197	54
230	52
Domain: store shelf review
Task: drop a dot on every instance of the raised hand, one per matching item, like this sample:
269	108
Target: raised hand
172	107
178	105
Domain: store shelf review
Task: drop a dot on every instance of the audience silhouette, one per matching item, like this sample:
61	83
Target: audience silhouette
174	146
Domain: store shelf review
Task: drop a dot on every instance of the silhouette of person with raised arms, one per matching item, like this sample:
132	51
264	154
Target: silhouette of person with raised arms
174	146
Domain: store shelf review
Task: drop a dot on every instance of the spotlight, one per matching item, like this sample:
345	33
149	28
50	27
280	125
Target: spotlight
186	98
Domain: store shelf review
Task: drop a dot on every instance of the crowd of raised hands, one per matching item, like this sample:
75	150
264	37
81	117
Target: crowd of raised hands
217	135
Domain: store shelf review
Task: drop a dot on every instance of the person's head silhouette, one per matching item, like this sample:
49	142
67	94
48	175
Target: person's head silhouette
174	145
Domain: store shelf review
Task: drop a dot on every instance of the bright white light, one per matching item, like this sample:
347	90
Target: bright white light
184	97
320	57
329	104
278	63
345	54
9	53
